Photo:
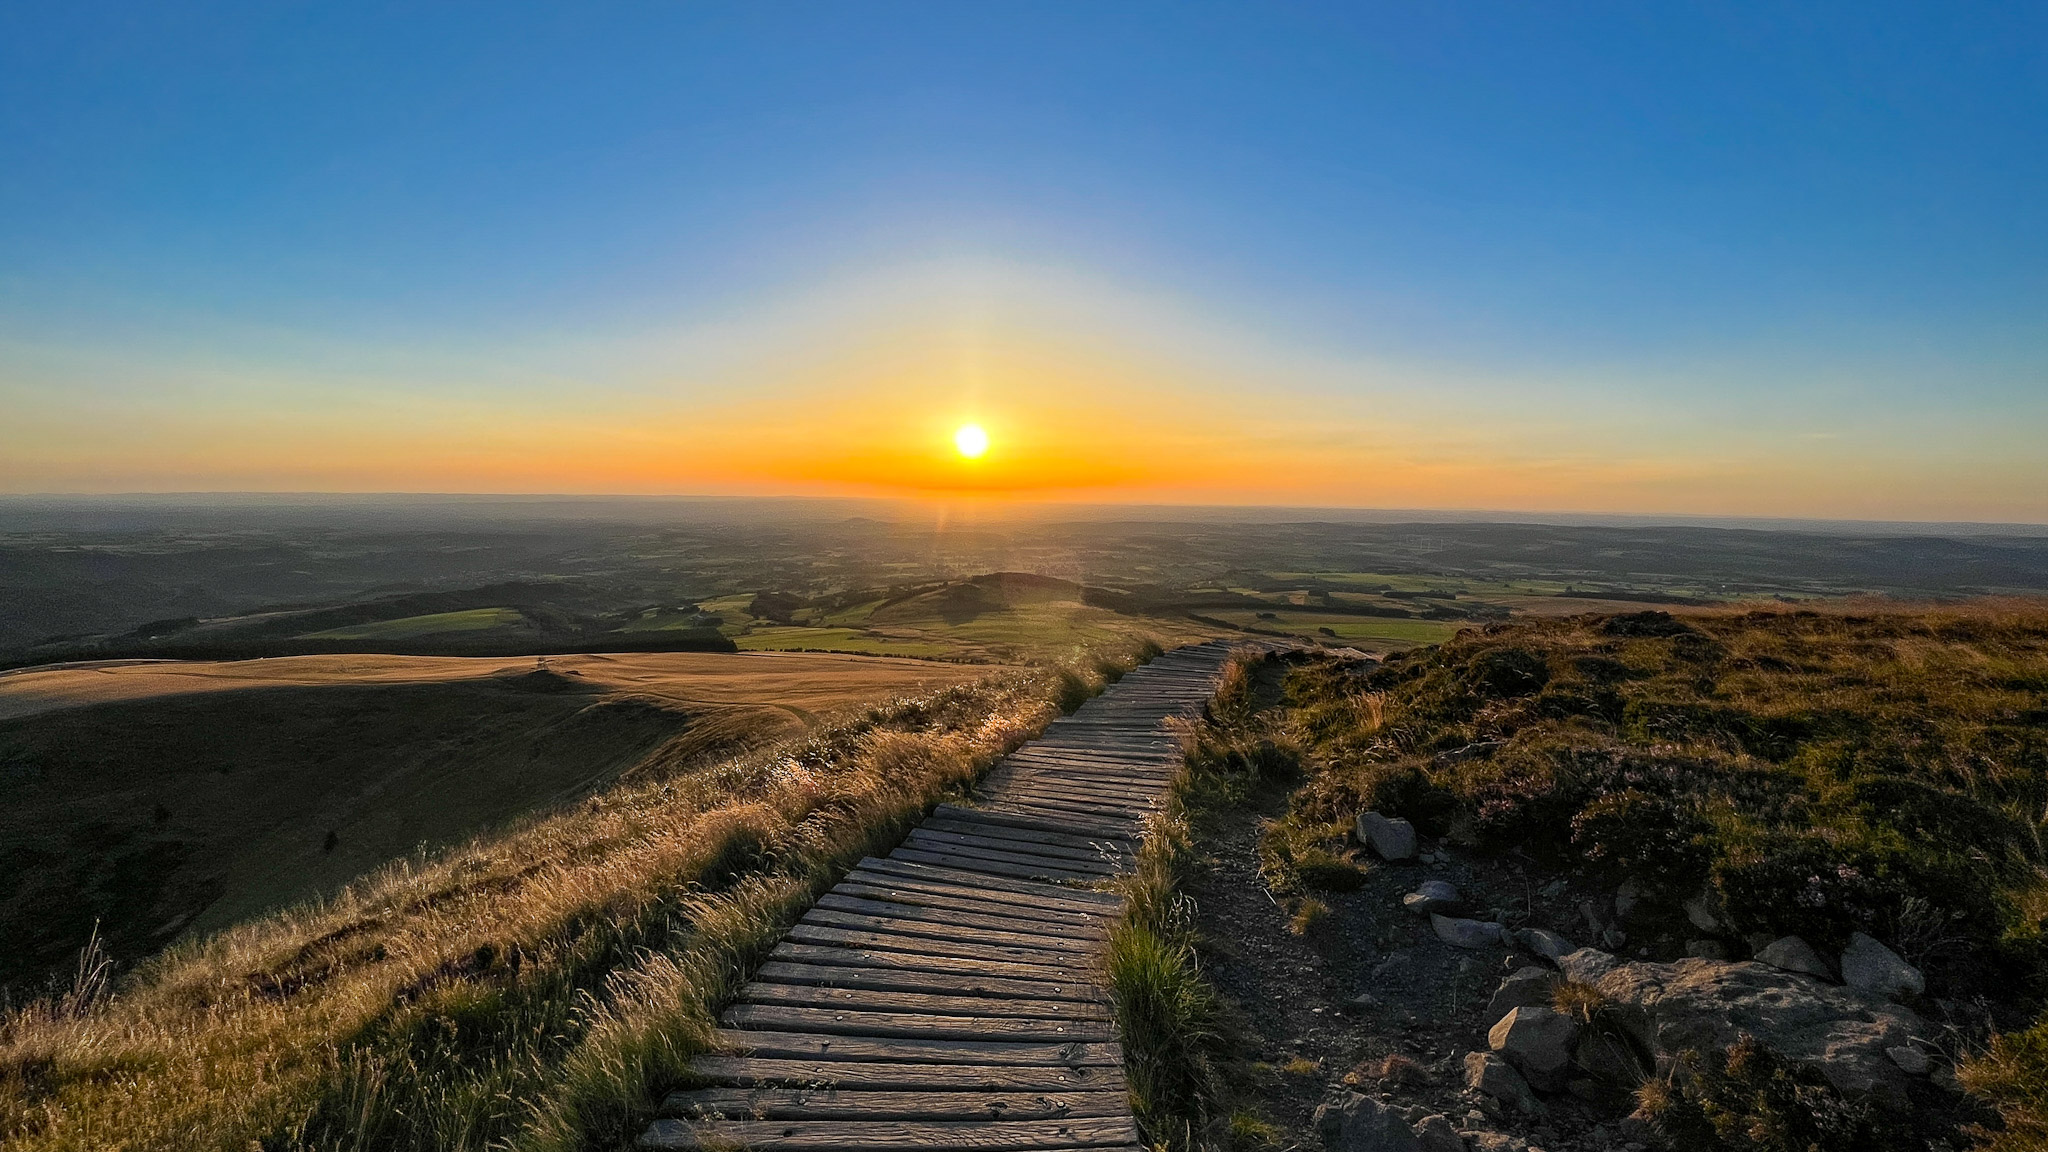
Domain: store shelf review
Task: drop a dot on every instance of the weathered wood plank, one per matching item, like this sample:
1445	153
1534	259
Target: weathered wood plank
909	1025
973	863
839	1104
894	1136
1022	851
1005	831
1061	974
811	1046
1077	931
917	892
915	870
866	1000
1112	830
949	933
754	1070
1085	996
928	946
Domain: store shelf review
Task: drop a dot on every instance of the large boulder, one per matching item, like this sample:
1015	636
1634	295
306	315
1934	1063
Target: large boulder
1792	954
1538	1042
1706	1005
1492	1077
1868	966
1392	839
1436	1133
1465	933
1356	1123
1529	987
1544	943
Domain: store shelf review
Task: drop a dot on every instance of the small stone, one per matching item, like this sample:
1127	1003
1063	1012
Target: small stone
1706	949
1465	933
1495	1142
1590	912
1700	911
1538	1042
1398	966
1433	896
1791	954
1869	966
1613	938
1356	1123
1912	1061
1626	898
1528	988
1492	1077
1546	944
1436	1133
1392	839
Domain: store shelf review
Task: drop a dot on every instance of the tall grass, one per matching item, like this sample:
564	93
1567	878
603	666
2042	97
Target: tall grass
531	990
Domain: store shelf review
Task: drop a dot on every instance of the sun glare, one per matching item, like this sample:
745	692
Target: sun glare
971	440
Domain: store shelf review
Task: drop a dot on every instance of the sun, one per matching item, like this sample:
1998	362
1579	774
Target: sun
971	440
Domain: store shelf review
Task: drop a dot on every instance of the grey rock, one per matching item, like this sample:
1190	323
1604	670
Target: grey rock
1614	938
1496	1142
1392	839
1355	1123
1700	910
1590	912
1433	896
1437	1134
1538	1042
1791	954
1526	988
1587	965
1912	1061
1705	1005
1465	933
1548	945
1398	966
1491	1076
1626	898
1706	949
1869	966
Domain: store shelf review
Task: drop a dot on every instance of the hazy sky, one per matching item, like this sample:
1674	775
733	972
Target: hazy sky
1779	260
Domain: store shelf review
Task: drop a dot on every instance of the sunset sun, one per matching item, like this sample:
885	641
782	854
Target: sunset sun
971	440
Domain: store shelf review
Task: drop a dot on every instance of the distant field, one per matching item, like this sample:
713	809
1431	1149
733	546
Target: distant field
165	797
1362	631
473	620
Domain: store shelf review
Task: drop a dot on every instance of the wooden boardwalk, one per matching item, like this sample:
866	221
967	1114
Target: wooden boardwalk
946	997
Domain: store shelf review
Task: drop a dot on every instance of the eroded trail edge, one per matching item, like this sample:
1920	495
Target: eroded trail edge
945	997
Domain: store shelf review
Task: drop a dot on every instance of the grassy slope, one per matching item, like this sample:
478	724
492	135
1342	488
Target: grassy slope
535	989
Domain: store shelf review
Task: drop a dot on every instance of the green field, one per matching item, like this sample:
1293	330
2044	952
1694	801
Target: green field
473	620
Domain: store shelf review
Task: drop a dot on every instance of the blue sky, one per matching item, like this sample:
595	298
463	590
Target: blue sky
1738	247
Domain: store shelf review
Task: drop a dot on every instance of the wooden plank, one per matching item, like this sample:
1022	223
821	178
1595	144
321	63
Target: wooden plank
811	1046
1115	830
865	1000
1024	850
894	1136
928	946
902	888
1004	831
833	901
754	1070
1063	975
974	862
950	933
916	870
831	1104
1102	810
934	983
909	1025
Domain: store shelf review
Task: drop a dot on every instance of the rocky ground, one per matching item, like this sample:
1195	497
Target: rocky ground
1372	1030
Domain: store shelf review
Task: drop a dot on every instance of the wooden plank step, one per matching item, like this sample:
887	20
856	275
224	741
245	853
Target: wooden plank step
1084	995
894	1136
866	1000
1077	929
1061	975
832	1104
909	1025
1007	831
949	933
812	1046
970	862
915	870
1094	858
755	1070
801	933
867	885
1078	828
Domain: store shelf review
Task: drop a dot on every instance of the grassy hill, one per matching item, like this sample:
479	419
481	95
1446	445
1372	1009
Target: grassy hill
165	800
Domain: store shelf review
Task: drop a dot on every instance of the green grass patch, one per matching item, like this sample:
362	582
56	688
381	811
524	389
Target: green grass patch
433	624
